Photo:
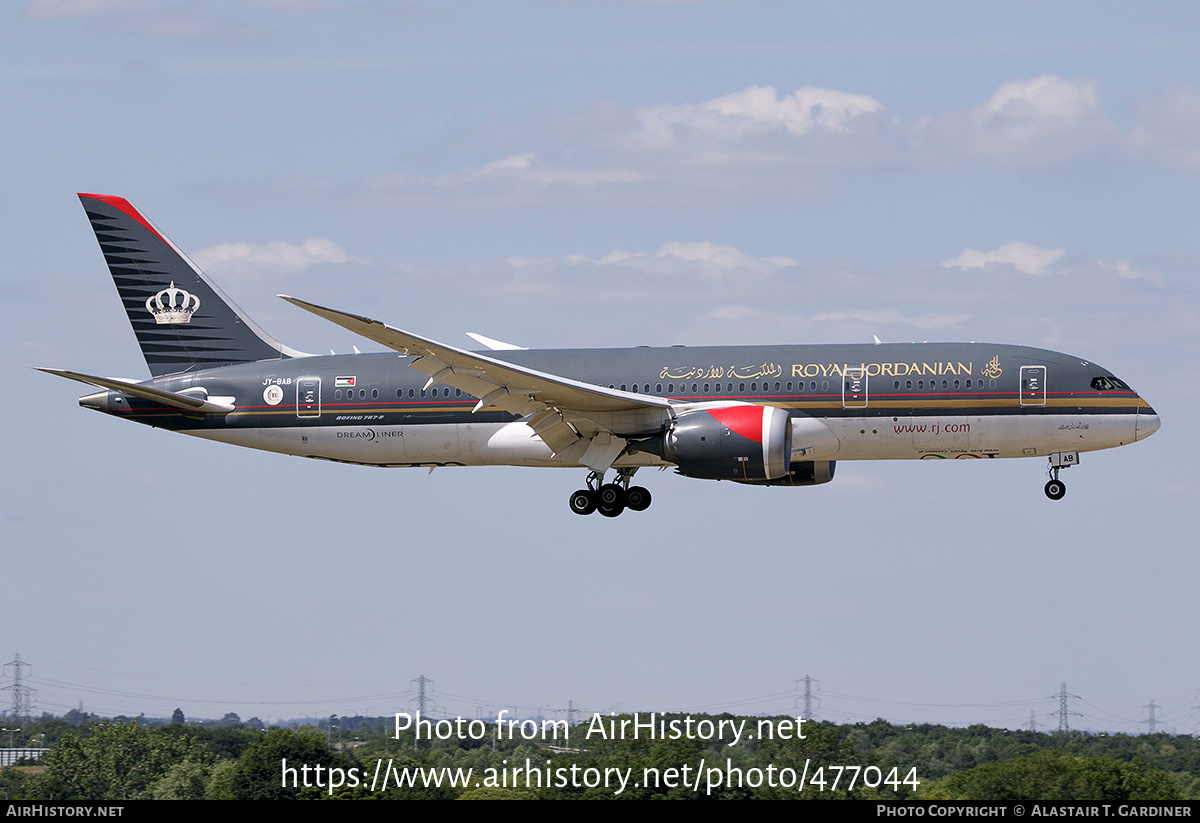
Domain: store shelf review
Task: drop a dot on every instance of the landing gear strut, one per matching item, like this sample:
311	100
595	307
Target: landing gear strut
1055	488
610	499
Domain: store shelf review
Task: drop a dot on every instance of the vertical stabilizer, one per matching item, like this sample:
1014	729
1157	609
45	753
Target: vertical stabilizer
182	320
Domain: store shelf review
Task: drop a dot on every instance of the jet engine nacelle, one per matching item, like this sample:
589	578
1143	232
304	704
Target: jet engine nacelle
735	442
803	473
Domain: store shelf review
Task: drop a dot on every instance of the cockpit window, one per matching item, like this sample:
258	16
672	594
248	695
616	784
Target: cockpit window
1109	383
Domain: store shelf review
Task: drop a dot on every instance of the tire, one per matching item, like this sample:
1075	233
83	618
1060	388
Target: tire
583	501
613	496
1056	489
611	511
637	498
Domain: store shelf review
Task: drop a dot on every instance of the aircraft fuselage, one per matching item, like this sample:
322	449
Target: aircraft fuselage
878	402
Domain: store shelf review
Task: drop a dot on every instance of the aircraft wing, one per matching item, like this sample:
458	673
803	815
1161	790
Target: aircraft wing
567	414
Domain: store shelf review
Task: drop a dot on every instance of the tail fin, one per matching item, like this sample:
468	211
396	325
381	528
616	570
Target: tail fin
181	319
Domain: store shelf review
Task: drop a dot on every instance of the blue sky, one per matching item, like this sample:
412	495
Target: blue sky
572	174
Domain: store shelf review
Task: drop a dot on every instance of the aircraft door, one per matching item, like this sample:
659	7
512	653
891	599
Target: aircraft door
854	388
1033	385
308	397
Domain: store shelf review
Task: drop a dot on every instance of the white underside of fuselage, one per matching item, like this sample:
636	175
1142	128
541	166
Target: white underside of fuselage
865	438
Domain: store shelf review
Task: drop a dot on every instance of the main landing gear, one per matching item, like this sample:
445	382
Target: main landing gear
1055	488
610	499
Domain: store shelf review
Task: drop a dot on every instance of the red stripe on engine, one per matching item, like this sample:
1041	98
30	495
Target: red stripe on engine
744	420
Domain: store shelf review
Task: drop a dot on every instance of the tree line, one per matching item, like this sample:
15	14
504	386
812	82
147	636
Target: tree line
130	759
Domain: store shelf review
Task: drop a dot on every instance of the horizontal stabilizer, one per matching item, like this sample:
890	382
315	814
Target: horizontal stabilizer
186	402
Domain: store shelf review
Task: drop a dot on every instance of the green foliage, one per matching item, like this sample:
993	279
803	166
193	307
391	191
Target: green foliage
100	761
258	773
497	793
183	781
118	761
1054	776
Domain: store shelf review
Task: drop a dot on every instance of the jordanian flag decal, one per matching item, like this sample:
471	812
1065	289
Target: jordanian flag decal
344	382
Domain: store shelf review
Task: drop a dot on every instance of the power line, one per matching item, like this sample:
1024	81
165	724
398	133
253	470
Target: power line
22	695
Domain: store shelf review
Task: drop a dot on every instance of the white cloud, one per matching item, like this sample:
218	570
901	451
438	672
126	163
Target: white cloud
531	167
1168	128
759	146
1125	269
675	258
240	259
1026	258
708	258
755	110
1034	122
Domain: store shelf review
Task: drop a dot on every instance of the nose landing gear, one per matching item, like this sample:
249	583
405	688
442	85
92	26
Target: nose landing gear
1055	488
610	499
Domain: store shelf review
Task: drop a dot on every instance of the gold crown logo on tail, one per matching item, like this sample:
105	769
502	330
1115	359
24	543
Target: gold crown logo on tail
178	307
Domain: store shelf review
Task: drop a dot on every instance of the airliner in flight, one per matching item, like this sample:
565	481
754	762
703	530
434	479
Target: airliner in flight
764	415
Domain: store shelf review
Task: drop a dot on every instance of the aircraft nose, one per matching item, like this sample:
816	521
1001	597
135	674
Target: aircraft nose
1147	424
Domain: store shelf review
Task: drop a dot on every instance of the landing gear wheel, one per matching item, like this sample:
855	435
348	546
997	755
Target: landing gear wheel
637	498
611	511
583	501
612	496
1056	489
